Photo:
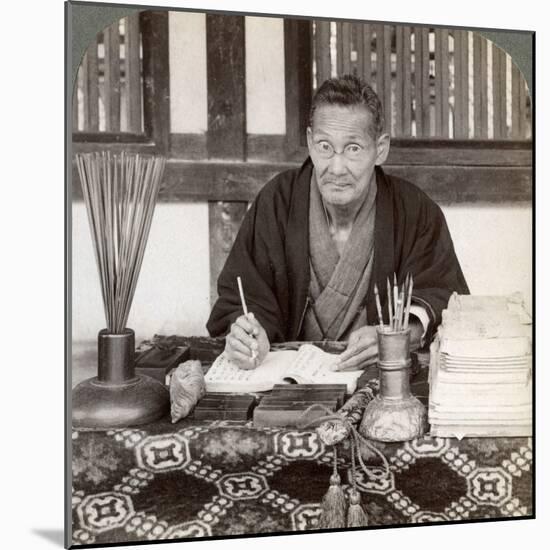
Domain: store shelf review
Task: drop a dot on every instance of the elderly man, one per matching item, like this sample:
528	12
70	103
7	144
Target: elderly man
317	239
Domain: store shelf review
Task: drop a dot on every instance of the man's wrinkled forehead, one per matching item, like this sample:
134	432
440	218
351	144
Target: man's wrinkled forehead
352	120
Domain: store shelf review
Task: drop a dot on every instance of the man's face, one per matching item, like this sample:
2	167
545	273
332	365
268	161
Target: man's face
343	153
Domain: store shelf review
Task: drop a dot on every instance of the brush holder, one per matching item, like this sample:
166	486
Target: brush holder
116	397
395	414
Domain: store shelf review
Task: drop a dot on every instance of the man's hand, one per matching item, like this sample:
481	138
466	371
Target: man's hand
362	350
417	331
247	344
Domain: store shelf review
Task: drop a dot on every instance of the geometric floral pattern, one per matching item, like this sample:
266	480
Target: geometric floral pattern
222	478
490	486
242	486
228	478
298	445
104	511
163	453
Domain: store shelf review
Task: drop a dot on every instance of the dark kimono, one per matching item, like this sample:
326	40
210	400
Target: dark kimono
271	255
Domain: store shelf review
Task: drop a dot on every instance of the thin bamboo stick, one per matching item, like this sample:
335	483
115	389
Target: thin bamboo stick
120	192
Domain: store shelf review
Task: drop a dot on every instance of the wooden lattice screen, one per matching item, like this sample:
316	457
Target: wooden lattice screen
108	95
436	83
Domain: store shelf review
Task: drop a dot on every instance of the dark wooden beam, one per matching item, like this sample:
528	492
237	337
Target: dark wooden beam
241	181
226	138
460	184
270	148
109	138
460	153
432	152
188	146
221	181
266	148
145	147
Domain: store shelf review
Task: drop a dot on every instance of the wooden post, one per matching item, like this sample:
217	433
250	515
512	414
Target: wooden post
357	41
339	49
93	88
226	87
111	41
379	29
322	51
499	93
346	48
298	81
460	56
519	104
480	87
399	80
85	93
367	64
156	89
421	81
407	83
226	137
425	70
442	83
522	108
224	220
132	73
387	78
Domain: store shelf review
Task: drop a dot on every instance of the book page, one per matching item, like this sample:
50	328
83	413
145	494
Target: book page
313	365
308	365
311	362
224	375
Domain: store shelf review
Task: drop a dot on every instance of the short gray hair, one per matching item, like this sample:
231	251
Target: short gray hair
347	91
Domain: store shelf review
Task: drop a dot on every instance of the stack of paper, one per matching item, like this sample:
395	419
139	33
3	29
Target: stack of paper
480	369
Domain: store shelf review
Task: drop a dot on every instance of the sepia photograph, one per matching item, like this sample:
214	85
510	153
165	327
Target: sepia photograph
300	273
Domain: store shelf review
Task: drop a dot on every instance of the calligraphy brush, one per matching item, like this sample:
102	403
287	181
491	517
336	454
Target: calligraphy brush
390	308
378	306
403	301
395	296
409	297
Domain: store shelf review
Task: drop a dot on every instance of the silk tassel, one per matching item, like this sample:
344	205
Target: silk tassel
356	514
333	514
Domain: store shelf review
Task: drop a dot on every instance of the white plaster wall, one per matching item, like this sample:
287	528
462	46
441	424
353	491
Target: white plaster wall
265	75
172	294
188	94
494	246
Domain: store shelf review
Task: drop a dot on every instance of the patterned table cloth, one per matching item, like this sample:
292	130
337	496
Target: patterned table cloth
223	478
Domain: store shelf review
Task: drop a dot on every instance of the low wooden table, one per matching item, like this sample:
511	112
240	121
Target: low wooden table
224	478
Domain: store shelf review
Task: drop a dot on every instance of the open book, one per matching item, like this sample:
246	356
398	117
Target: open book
308	365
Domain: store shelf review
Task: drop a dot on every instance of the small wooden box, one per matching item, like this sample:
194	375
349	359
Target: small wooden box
224	406
286	405
311	392
158	363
